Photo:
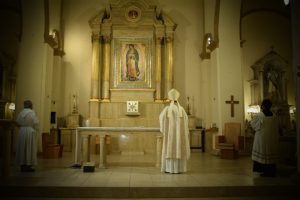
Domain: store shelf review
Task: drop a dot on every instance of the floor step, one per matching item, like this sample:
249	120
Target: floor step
286	191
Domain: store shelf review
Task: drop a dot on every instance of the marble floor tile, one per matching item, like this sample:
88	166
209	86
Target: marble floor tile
139	171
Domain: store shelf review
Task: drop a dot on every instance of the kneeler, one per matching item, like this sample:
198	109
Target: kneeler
50	148
231	142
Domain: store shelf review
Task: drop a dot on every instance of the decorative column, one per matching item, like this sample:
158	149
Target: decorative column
159	139
254	93
95	84
94	102
86	148
106	67
261	85
169	63
95	65
102	153
158	68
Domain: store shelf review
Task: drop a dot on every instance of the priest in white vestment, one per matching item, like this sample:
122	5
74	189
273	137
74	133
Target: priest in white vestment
174	126
26	151
265	145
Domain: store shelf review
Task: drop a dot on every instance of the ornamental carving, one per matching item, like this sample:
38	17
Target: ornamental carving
133	14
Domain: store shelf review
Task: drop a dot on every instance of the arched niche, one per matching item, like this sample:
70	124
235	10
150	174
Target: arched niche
269	81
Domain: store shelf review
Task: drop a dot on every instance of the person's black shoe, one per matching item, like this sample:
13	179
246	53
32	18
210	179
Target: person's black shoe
25	168
267	175
30	170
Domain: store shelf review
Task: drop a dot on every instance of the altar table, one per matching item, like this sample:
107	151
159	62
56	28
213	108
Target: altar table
83	133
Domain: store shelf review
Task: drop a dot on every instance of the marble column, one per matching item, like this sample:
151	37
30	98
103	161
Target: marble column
169	63
158	68
102	154
86	148
106	68
158	150
261	86
254	93
95	84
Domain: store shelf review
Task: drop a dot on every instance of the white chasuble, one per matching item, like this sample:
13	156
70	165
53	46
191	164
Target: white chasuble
176	146
265	144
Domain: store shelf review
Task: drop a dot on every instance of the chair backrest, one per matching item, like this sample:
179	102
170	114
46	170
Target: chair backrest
232	131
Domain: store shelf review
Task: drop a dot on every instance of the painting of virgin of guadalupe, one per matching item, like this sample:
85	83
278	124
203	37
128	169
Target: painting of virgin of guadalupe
133	62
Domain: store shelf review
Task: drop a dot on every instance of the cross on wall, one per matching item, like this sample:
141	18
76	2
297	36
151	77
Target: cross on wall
232	102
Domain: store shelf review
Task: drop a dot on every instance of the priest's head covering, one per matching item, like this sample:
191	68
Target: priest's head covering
173	95
28	104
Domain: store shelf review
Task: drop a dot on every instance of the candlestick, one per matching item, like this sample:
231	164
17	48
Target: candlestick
75	110
188	106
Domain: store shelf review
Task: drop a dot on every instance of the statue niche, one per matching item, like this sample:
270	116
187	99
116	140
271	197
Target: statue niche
273	82
269	81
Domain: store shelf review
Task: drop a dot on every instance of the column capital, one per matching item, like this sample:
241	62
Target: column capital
95	37
169	39
158	40
107	38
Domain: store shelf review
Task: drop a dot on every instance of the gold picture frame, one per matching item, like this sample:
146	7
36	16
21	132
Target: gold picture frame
132	63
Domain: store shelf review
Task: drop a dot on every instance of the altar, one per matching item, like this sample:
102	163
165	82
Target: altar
131	74
83	135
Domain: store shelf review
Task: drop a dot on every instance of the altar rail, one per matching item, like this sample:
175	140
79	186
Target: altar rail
85	132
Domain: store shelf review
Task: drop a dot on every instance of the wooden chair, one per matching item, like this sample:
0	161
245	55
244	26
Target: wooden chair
231	142
50	148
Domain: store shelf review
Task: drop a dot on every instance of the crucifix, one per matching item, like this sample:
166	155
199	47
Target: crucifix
232	102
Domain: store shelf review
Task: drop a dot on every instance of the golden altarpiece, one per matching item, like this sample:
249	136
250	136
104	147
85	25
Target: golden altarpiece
132	70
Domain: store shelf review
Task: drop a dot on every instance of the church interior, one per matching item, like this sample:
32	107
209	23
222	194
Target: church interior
98	73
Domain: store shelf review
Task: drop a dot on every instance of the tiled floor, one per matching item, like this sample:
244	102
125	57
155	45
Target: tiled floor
138	171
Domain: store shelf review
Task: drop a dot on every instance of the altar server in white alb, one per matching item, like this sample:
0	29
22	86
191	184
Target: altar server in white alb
174	126
26	152
265	145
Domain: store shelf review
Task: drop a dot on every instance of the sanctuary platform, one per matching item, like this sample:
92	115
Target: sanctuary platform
136	177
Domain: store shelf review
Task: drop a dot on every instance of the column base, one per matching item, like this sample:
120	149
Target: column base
105	100
159	100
